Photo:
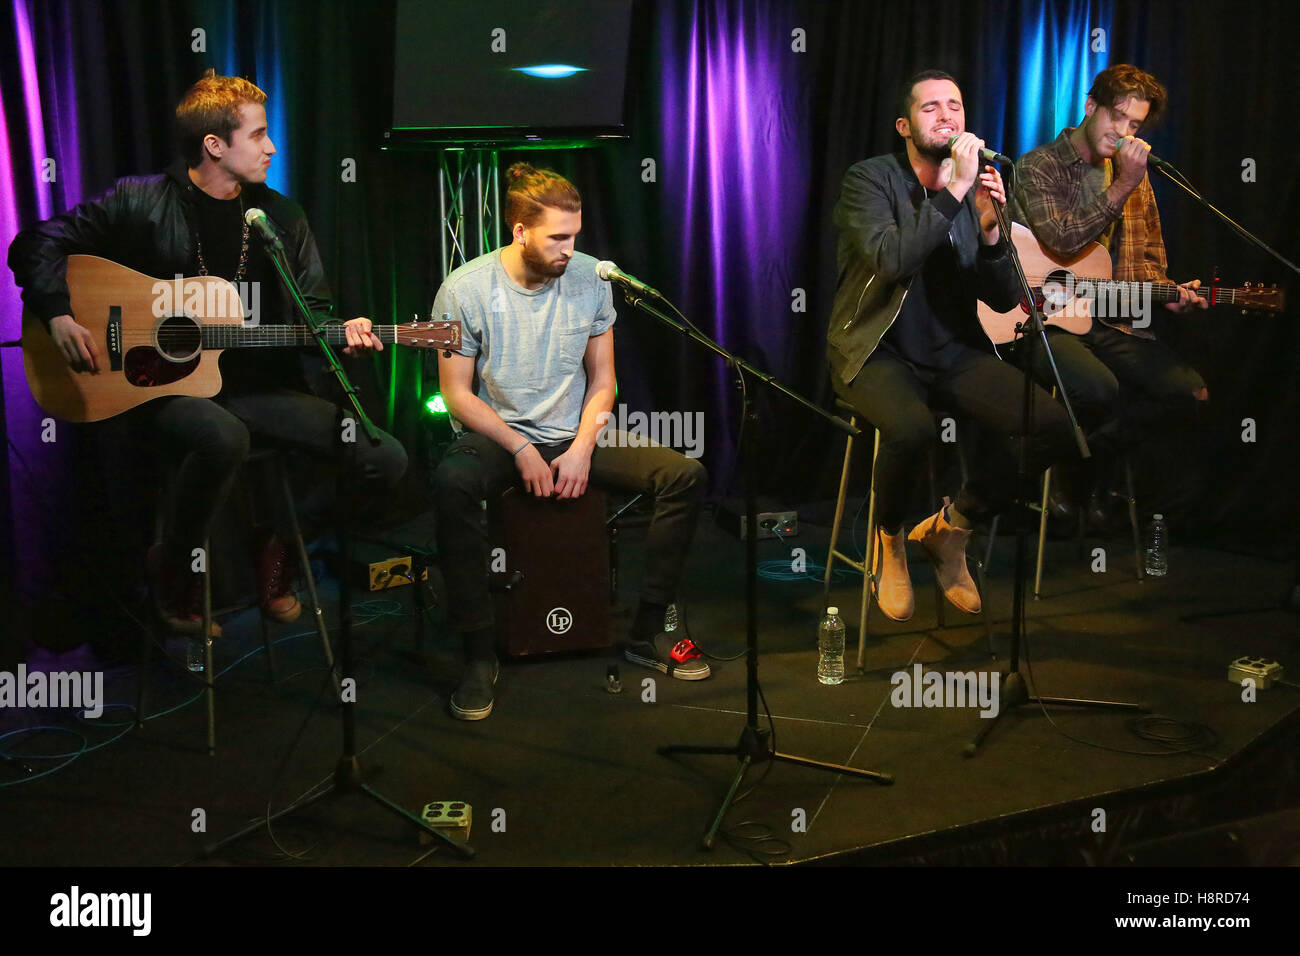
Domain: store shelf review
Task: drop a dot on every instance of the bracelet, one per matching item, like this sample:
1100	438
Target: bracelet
521	448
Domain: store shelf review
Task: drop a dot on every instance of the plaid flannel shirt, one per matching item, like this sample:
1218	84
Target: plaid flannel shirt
1049	184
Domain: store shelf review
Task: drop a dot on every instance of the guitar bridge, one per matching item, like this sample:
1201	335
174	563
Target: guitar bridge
113	335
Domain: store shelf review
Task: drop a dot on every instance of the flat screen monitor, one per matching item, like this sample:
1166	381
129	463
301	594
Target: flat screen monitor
497	70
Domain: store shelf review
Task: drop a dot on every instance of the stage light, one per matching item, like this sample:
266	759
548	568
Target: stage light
551	71
436	406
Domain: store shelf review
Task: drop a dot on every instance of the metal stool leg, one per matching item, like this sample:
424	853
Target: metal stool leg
939	599
1042	533
988	553
869	567
1133	516
839	516
305	564
210	677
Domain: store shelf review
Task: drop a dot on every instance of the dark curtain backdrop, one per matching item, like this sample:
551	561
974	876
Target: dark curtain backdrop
747	114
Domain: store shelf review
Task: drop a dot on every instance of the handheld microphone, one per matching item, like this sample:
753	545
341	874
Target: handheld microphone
611	273
986	154
1152	158
259	221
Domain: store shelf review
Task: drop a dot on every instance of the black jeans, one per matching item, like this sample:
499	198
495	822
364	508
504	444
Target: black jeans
212	437
1122	387
476	468
896	397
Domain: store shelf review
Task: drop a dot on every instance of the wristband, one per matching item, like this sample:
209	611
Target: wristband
521	448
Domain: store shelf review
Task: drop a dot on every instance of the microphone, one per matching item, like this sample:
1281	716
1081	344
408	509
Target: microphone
1152	158
259	221
986	154
611	273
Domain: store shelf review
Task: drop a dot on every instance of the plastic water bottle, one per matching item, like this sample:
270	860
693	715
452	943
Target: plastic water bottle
194	654
670	618
830	644
1157	564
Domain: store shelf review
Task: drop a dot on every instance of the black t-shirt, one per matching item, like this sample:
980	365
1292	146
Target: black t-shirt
220	223
935	324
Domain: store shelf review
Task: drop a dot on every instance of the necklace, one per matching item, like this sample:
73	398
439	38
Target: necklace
243	245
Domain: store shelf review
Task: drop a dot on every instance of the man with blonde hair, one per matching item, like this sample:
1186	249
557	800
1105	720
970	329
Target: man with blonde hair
190	220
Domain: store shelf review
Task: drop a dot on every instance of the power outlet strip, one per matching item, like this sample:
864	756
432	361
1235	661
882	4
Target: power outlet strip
771	523
1264	671
453	816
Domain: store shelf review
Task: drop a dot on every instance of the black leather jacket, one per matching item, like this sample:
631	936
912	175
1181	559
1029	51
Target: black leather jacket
146	223
887	228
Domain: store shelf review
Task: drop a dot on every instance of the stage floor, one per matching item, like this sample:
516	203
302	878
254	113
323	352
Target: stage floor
565	773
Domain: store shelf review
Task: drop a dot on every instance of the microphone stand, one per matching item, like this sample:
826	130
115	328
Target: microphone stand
1171	173
1291	598
348	774
1013	691
755	744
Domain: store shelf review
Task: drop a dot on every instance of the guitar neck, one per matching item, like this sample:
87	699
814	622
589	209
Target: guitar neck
1170	292
281	336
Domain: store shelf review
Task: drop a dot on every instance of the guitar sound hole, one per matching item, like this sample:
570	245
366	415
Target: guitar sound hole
1058	289
178	338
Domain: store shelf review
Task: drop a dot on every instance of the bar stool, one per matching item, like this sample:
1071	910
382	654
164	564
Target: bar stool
1042	525
272	458
867	567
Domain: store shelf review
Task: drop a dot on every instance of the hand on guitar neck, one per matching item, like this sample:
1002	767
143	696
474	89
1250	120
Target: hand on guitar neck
75	343
360	338
1188	300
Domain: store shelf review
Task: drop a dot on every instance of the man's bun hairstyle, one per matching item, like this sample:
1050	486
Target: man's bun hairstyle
529	191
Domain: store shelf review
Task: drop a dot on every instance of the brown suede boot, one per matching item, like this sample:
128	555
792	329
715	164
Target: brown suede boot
893	585
945	544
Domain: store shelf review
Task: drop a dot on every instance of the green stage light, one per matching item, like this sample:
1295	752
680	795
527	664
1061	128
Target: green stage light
436	405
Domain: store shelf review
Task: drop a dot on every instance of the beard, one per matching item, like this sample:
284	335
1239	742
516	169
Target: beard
541	266
935	149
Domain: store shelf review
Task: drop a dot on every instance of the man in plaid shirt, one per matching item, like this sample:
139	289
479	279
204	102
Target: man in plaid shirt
1090	185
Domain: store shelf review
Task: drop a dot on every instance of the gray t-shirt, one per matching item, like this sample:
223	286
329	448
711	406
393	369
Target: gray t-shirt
529	344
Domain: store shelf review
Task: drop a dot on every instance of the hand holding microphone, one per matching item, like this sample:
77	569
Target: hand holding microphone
969	156
1131	158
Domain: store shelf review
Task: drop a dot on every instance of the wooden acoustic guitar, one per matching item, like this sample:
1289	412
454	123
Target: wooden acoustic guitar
160	337
1071	292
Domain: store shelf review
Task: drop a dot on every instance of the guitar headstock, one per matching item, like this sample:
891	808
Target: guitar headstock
1259	298
440	334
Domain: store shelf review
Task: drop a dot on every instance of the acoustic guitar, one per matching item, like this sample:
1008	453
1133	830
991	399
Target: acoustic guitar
1072	292
160	337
